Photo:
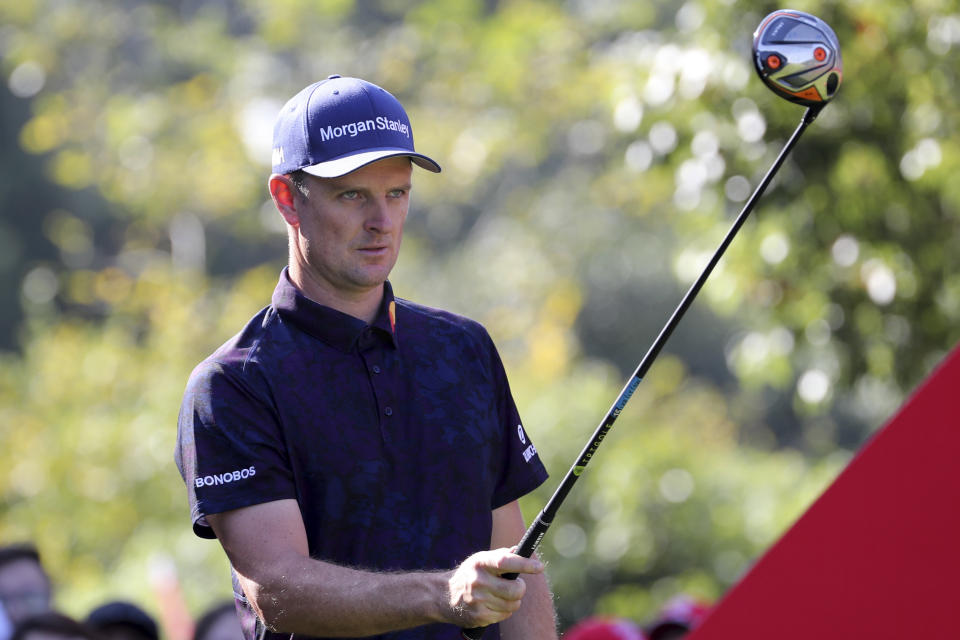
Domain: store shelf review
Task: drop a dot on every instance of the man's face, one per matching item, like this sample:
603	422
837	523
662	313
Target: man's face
24	589
350	227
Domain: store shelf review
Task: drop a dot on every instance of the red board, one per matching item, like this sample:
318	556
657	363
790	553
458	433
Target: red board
877	556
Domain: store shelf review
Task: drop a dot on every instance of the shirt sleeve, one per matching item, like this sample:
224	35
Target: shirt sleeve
230	448
521	470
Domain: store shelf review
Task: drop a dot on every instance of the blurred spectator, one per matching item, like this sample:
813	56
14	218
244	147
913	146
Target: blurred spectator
25	588
604	628
52	626
219	622
121	620
677	618
6	627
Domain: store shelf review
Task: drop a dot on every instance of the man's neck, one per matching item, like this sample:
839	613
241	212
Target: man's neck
361	304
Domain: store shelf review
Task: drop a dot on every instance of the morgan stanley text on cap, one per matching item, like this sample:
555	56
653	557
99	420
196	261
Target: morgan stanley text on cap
338	125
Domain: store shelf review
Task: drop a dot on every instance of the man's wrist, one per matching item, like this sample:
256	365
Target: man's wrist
436	594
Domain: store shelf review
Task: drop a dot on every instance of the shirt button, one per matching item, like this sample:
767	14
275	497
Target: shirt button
376	368
388	411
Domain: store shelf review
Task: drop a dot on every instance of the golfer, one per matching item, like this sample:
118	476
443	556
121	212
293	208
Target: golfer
358	456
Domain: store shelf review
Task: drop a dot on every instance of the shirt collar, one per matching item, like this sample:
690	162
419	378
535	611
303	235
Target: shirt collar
340	330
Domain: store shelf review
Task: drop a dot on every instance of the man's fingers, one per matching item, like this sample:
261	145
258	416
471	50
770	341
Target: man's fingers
478	593
494	602
506	589
500	561
484	607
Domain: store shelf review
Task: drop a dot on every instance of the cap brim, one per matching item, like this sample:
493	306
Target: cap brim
343	166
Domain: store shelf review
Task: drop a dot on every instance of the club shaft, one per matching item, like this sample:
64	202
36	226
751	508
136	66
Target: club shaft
543	521
538	528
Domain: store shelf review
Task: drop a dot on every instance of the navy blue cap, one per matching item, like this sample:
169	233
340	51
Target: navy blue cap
338	125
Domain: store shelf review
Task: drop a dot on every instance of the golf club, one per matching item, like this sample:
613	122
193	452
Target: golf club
797	55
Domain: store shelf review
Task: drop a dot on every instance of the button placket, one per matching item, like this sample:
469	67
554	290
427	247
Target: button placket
373	353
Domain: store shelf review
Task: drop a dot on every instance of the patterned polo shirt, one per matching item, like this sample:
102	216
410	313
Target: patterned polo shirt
397	438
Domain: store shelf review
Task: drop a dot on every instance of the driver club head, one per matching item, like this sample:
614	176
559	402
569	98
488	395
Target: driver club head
797	55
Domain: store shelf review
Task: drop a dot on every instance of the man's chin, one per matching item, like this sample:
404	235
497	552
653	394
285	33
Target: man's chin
371	278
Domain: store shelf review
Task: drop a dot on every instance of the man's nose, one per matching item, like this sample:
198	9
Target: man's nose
381	215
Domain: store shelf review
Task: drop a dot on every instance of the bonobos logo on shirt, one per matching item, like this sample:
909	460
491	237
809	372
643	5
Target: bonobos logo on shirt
225	478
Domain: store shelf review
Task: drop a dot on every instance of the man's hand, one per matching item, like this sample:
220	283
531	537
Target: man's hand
479	597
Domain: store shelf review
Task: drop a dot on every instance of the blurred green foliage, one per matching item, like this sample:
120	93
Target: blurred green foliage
594	154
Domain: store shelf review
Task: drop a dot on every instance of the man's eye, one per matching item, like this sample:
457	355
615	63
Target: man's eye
398	193
350	195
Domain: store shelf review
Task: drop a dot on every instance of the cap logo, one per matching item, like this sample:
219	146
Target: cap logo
277	156
352	129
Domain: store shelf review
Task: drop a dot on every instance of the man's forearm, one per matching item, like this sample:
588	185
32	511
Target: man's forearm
318	598
301	595
294	593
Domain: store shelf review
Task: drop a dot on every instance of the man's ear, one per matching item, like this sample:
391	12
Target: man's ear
282	191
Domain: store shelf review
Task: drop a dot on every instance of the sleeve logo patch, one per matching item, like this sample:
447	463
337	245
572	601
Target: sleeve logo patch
529	452
225	478
523	436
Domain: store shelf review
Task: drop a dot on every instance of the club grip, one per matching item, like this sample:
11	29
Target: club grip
528	544
474	633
